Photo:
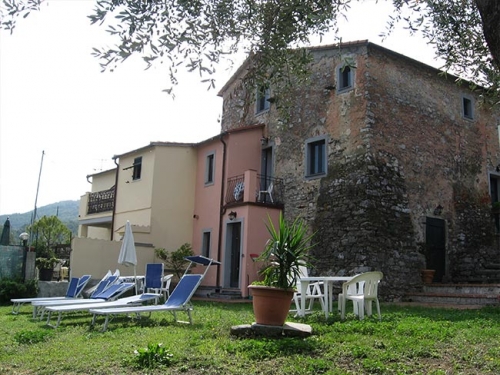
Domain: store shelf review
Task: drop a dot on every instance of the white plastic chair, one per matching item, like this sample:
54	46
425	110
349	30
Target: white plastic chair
313	293
269	192
165	287
362	290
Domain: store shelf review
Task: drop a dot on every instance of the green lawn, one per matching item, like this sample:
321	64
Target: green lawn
408	340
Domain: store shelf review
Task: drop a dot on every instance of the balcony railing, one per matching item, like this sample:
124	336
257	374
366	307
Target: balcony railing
268	190
101	201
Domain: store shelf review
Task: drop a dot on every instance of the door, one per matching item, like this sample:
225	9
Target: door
266	168
234	254
435	239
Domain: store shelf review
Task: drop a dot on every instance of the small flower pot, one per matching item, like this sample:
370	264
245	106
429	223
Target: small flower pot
427	276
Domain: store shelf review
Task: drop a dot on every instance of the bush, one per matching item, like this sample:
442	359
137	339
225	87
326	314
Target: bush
175	259
17	289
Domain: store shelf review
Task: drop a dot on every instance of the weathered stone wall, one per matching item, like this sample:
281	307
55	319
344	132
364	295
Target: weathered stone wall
444	158
397	148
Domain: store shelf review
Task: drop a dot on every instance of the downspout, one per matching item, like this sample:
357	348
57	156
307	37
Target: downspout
222	209
114	199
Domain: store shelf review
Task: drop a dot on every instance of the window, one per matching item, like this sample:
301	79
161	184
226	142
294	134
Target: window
316	157
344	78
467	108
263	103
136	173
205	246
210	168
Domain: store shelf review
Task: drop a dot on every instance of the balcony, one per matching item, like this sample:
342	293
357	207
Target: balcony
255	188
101	201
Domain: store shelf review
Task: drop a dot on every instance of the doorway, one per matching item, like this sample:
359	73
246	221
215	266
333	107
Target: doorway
233	255
266	167
435	240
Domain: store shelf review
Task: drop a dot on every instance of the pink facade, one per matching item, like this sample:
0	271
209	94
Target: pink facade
229	177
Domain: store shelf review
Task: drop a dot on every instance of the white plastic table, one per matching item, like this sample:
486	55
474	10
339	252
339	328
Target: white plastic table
328	291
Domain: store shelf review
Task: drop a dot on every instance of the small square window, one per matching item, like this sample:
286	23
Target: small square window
205	246
316	157
210	168
263	95
136	173
344	78
467	108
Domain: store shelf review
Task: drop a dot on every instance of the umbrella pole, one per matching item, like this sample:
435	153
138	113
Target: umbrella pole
135	280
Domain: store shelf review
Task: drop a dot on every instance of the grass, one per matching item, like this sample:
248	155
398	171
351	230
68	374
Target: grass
408	340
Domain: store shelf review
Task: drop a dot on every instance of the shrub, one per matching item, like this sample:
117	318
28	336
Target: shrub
17	289
175	259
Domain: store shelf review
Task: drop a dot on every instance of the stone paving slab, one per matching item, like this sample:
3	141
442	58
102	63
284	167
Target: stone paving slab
289	329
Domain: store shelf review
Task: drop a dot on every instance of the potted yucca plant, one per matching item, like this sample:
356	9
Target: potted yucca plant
286	250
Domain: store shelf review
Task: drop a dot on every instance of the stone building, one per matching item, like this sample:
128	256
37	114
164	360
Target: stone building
393	164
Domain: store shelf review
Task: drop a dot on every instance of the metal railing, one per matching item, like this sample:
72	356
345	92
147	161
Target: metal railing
235	189
101	201
269	190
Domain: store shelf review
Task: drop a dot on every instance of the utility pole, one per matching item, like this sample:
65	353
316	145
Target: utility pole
33	217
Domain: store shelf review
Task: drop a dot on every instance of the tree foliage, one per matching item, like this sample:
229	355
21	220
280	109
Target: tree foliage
50	231
198	34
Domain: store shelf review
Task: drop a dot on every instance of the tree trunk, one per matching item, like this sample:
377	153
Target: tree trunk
490	14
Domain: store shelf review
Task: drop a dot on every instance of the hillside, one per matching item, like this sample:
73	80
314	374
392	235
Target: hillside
66	211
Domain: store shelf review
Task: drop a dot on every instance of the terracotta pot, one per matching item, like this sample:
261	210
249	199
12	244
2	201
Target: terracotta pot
270	305
428	276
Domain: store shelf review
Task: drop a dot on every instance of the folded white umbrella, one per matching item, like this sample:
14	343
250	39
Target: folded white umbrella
128	255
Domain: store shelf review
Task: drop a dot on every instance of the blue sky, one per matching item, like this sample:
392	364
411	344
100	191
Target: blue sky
53	98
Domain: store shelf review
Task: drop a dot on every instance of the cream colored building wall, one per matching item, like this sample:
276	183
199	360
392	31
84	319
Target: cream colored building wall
95	257
173	196
134	197
103	181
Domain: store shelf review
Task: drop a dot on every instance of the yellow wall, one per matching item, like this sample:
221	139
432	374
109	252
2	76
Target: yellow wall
96	257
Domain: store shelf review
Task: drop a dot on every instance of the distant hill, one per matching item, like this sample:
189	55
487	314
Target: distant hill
66	211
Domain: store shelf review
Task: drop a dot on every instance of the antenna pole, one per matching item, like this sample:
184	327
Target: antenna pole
33	217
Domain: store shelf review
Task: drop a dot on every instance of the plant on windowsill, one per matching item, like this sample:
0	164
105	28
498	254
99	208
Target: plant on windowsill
286	250
495	207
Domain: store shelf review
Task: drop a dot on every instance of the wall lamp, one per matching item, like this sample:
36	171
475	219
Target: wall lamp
232	215
264	141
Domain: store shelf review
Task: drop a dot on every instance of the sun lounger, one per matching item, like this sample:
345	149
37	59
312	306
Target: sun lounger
121	302
110	294
75	289
179	300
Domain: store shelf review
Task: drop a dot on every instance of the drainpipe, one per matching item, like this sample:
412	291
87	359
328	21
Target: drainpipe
222	209
114	199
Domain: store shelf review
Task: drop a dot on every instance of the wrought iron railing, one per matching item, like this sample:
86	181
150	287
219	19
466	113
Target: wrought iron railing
235	189
269	190
101	201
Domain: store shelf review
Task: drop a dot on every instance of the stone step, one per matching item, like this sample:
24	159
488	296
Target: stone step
457	294
454	298
467	289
